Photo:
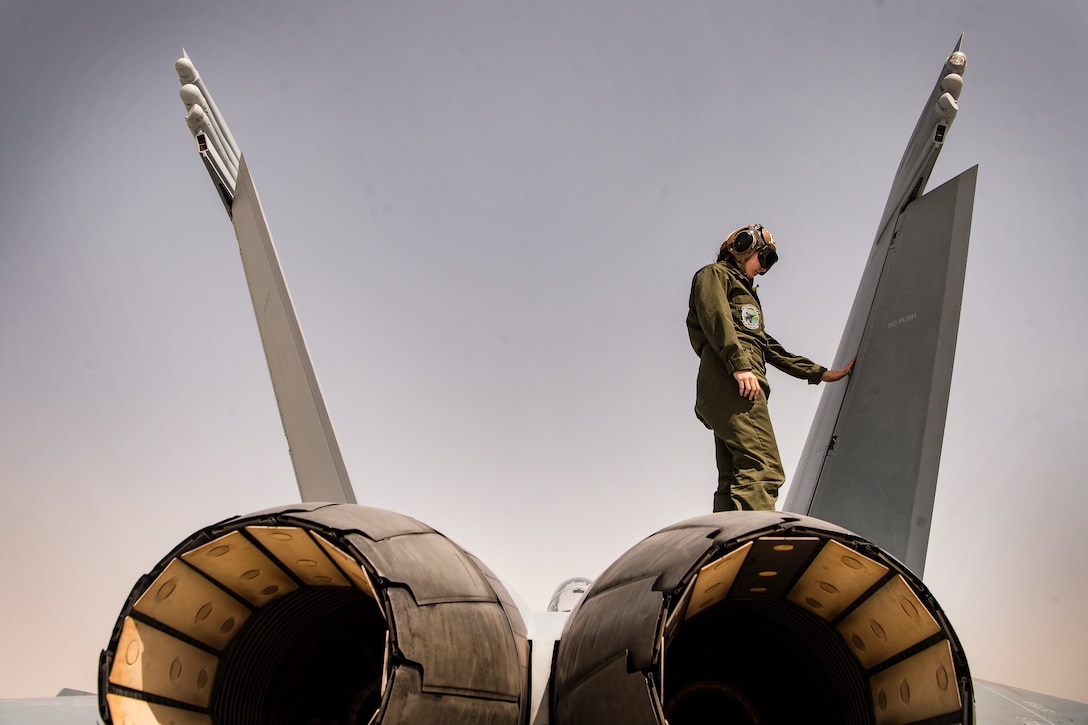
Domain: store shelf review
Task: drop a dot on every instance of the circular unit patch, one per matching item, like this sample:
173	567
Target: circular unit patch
749	315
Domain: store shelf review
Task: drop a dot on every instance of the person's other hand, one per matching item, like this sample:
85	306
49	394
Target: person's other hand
831	376
749	384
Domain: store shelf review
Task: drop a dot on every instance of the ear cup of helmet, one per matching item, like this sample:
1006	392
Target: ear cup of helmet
743	240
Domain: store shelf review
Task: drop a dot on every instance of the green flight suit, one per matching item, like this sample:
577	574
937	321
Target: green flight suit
726	328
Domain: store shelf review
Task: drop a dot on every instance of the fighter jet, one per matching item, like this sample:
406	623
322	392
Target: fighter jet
326	611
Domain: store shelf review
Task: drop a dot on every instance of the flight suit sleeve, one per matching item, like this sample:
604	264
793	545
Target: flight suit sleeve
795	365
710	303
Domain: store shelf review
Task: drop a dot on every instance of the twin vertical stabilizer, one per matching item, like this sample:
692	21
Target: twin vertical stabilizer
871	458
315	454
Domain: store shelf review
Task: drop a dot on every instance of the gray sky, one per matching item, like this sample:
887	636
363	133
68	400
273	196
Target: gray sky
489	214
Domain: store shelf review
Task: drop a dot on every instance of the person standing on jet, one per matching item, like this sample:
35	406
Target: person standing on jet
726	328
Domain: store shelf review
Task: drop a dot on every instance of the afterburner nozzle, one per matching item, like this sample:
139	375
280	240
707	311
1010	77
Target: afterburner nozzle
317	613
714	618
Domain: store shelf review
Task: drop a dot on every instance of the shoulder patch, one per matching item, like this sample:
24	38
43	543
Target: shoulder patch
749	315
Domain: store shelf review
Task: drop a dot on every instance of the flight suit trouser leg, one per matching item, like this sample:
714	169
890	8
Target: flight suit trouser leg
750	468
723	498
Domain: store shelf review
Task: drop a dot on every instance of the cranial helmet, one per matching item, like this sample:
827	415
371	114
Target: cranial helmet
747	241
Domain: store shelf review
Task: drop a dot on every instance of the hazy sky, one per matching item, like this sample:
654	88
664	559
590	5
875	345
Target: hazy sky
489	214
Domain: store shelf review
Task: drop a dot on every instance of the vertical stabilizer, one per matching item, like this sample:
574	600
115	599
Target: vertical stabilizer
871	458
315	454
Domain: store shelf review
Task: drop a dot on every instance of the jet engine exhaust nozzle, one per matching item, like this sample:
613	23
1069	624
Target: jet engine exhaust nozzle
316	613
759	617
